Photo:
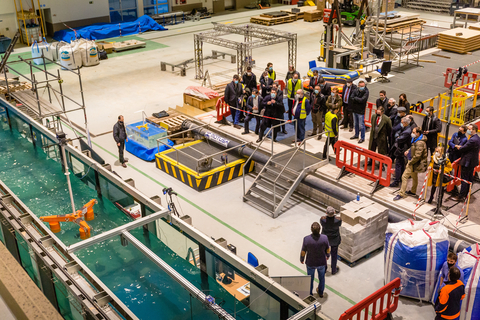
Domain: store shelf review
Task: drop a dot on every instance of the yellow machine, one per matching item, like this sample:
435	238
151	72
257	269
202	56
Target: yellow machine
80	217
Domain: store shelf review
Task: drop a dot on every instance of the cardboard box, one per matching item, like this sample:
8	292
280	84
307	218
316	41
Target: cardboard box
107	46
199	103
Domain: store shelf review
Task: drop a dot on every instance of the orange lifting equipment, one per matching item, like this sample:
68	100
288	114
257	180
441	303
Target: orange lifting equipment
80	217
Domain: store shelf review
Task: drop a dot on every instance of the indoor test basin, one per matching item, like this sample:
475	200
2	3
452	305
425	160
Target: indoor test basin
31	167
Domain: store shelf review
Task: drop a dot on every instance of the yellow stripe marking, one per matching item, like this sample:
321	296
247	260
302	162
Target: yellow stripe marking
198	182
190	181
209	180
220	178
158	163
252	163
240	173
181	175
231	173
166	167
174	171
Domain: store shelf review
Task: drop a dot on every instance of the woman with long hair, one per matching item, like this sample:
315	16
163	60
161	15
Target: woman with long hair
403	102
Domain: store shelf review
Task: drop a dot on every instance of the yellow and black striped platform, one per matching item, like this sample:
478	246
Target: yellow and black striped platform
205	180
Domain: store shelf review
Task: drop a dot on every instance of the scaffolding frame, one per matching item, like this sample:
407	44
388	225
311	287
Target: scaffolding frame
266	37
43	109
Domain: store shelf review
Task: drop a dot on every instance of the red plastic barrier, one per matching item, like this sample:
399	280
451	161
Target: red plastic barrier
466	79
369	110
388	296
351	160
223	110
458	173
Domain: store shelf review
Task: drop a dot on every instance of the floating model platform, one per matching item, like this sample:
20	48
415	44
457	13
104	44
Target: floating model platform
202	165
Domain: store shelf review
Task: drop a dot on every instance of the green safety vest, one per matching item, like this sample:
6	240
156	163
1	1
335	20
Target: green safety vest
271	76
298	85
328	124
303	111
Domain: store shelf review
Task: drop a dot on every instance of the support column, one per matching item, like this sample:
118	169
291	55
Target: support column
198	48
292	51
240	59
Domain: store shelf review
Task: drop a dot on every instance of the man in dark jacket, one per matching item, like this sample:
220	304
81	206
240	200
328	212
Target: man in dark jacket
317	102
314	81
317	249
331	228
273	105
380	133
417	163
348	89
458	138
291	72
233	94
325	87
359	104
120	136
401	112
431	127
469	160
382	100
265	84
254	108
280	116
392	109
402	143
450	298
249	79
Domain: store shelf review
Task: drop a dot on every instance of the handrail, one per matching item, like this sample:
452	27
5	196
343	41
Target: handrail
291	157
256	149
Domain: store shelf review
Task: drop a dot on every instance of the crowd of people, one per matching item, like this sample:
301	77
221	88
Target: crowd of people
322	245
394	133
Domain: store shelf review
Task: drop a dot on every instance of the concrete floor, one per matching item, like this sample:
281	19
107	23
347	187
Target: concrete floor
127	84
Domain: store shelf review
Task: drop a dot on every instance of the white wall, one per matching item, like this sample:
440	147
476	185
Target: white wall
7	18
70	10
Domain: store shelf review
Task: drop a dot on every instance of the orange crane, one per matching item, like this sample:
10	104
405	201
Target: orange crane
80	217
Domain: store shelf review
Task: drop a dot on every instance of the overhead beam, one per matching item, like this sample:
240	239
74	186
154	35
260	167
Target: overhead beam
116	231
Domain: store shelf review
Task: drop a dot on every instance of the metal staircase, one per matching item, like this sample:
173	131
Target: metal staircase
3	62
437	6
279	178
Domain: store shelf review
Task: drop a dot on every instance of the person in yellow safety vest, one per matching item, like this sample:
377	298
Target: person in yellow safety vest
271	73
301	109
331	129
293	85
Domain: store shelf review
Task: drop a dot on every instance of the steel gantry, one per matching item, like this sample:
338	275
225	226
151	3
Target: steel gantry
255	36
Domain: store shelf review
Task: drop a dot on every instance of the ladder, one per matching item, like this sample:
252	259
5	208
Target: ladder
3	63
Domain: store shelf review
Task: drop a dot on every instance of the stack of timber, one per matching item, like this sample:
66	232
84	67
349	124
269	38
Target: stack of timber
198	102
19	86
363	228
312	16
459	40
300	12
273	18
403	21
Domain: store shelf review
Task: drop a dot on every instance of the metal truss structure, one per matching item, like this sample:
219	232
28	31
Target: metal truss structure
255	36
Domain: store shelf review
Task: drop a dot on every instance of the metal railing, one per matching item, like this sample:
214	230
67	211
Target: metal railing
271	154
303	143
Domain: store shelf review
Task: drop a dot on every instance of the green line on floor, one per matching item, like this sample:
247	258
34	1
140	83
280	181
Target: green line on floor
227	225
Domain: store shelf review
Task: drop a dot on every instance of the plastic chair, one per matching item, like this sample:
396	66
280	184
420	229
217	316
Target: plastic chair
252	260
384	71
312	64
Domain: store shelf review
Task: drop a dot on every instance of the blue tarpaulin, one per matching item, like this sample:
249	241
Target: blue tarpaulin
109	30
142	152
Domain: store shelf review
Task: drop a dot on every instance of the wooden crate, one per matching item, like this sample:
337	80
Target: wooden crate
273	21
172	123
312	16
199	103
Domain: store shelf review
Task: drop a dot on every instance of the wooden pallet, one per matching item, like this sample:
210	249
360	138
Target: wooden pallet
273	21
172	123
365	257
459	40
401	25
301	14
127	45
